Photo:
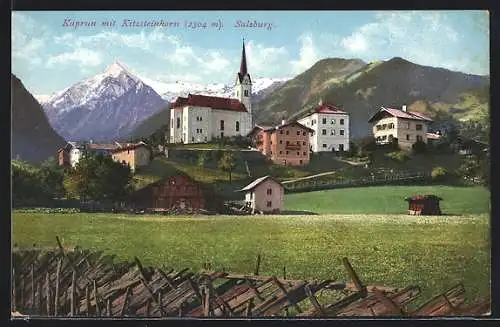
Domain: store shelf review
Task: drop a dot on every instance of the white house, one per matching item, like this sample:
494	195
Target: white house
331	128
199	118
265	194
406	126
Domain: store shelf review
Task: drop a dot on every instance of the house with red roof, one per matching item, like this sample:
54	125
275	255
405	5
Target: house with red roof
331	128
200	118
407	126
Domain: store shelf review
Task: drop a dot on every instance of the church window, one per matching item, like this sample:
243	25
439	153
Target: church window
323	132
298	132
281	141
221	125
324	120
172	125
304	143
237	126
341	132
178	122
246	93
298	153
341	122
304	134
287	132
281	132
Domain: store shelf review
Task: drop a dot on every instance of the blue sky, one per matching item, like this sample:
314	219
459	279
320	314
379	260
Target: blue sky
48	56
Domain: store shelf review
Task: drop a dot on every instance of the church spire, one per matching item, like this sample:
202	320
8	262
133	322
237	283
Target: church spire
243	64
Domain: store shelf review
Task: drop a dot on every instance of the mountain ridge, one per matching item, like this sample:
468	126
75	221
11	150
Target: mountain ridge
33	138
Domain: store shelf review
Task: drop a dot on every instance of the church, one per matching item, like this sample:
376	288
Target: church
199	118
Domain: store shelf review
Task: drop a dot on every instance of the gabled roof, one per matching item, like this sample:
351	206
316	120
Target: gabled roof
102	146
433	136
324	108
414	115
129	146
278	127
257	182
418	197
210	102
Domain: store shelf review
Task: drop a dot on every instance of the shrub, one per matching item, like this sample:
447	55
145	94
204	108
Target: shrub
393	144
399	156
419	147
353	149
368	144
439	173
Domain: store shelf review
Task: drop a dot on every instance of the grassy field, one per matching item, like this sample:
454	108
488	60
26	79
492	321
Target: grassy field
394	250
389	199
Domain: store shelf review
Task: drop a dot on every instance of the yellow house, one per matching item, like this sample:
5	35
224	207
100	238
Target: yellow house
406	126
135	155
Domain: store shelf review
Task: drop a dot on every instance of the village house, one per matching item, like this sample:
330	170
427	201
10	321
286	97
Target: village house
285	144
407	126
174	192
135	155
199	118
71	153
264	194
331	128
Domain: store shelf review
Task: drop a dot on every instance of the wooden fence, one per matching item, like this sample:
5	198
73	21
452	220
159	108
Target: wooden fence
307	185
77	282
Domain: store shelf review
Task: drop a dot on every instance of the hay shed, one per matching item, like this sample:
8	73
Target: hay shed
424	205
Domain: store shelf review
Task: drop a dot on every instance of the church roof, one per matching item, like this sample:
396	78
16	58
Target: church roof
199	100
243	65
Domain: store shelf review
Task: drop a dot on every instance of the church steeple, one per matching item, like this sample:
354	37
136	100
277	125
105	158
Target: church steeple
243	64
243	90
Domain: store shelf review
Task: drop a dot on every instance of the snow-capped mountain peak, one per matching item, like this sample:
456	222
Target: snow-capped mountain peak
105	106
117	68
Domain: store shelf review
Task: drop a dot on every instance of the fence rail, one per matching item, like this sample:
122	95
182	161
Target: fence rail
305	185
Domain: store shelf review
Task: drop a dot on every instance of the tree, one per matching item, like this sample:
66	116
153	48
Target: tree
393	144
226	163
419	147
368	144
99	178
26	185
202	159
51	177
353	149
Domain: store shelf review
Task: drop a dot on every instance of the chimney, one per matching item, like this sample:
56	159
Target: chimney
403	108
283	122
91	141
320	101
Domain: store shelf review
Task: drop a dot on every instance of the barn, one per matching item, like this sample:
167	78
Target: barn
178	191
424	205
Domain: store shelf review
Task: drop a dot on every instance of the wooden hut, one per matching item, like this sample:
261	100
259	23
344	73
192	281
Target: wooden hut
175	192
424	205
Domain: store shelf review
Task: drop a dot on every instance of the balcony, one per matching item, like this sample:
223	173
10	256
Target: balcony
292	147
